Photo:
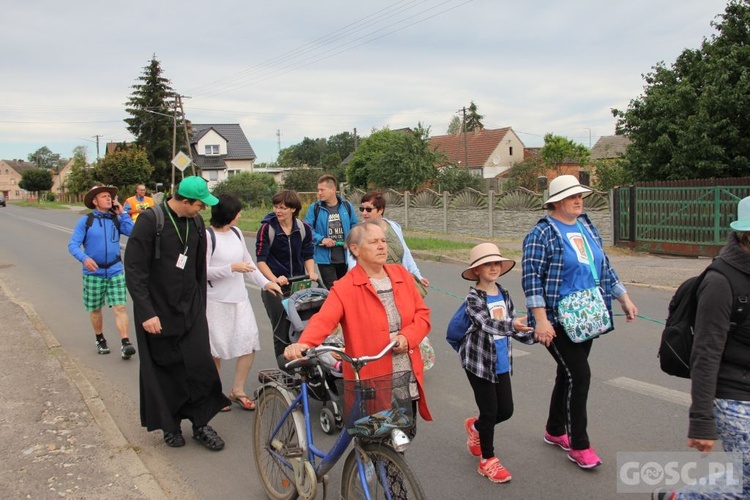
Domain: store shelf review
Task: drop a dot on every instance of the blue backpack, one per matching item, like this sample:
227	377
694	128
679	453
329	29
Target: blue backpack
458	326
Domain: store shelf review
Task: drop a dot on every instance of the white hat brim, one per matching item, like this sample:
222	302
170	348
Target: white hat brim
572	191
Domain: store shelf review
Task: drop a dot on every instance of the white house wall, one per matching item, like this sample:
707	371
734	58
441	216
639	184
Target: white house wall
210	139
501	158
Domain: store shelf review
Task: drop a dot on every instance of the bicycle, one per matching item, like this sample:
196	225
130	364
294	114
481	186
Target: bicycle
376	412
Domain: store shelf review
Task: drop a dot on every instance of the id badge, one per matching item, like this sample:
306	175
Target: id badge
181	261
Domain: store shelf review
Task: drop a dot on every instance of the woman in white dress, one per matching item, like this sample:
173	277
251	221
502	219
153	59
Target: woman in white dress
233	330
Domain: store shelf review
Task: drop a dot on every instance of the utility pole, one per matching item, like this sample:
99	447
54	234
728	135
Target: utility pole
187	137
278	139
97	145
589	136
355	139
466	139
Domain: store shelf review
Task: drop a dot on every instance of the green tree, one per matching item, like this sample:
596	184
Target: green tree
44	158
302	179
473	118
81	176
36	180
558	150
151	108
526	173
610	174
454	127
341	144
693	117
453	179
255	190
124	167
400	160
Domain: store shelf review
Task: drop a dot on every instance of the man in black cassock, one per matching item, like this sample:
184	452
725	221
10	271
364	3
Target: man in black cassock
166	278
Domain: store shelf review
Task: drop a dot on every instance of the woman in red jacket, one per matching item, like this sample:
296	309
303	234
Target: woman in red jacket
375	303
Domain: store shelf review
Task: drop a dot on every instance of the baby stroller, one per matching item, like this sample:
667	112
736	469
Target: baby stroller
300	307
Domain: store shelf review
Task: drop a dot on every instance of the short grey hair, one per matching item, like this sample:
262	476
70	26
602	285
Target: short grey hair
357	234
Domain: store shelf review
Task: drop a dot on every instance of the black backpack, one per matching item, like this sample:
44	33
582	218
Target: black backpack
677	338
159	213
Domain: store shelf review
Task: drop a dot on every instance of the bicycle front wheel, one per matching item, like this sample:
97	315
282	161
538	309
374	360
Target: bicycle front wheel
274	452
391	475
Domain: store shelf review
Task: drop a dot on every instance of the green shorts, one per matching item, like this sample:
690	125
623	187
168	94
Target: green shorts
95	289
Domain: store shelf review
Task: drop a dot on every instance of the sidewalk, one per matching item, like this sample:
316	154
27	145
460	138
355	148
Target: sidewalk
57	439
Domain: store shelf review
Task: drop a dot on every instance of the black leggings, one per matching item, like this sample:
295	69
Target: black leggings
330	273
495	403
567	407
279	322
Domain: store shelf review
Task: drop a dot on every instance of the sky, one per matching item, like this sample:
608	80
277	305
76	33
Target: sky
287	70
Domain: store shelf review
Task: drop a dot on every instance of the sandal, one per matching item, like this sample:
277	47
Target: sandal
206	436
242	400
174	439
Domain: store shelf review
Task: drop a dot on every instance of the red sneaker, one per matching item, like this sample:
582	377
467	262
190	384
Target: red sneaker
493	470
472	443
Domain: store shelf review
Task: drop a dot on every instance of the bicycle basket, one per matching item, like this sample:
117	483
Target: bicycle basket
375	406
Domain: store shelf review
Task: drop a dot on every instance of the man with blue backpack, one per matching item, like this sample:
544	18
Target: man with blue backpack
103	279
331	219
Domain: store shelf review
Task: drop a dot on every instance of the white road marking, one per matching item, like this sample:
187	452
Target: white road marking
653	390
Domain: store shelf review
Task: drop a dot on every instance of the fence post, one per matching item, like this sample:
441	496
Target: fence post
445	211
717	209
491	209
633	212
406	209
614	214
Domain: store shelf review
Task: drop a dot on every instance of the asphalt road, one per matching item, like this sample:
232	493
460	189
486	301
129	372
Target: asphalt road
632	405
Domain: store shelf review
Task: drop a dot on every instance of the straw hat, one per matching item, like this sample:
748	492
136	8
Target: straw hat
563	186
88	200
482	254
743	216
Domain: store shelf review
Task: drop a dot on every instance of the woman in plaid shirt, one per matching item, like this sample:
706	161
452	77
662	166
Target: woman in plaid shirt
556	264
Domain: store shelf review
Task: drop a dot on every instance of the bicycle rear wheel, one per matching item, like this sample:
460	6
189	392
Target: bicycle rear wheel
274	471
392	476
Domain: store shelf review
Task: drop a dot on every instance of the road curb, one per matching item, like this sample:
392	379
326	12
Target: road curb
136	469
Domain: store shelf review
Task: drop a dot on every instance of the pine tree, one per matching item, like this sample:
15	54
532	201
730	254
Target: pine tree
151	107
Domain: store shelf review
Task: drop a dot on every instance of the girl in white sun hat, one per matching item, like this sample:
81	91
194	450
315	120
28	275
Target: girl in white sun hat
485	354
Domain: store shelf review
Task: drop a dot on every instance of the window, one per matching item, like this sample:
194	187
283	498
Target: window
12	181
213	175
212	149
510	150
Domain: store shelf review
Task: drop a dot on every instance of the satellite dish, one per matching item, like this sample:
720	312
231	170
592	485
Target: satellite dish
496	160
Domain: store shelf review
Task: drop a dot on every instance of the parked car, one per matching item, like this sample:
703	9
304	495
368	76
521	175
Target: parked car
2	199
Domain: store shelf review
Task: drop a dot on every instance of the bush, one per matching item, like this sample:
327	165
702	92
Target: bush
302	179
255	190
453	179
50	196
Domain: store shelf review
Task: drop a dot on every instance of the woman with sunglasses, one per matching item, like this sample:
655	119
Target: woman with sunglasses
372	208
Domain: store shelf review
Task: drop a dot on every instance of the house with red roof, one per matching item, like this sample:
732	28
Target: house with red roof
485	152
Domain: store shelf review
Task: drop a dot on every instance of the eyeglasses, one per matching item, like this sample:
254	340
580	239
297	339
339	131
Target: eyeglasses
367	209
279	207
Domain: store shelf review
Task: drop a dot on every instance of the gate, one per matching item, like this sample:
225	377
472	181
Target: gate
690	219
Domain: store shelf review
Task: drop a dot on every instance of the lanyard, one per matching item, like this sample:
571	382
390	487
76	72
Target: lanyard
187	230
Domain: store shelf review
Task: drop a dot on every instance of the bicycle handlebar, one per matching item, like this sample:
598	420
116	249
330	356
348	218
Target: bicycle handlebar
358	363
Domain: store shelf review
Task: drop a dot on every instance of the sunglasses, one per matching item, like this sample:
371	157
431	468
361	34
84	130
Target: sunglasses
366	209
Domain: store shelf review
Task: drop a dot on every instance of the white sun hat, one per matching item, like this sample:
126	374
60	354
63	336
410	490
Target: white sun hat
743	216
563	186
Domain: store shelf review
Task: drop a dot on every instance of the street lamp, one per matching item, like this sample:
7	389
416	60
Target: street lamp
584	128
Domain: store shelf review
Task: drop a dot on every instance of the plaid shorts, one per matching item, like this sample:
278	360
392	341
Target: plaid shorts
95	289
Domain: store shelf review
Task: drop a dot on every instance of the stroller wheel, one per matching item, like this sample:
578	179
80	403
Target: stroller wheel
327	421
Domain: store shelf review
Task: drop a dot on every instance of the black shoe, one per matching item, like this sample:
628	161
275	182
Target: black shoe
101	346
127	350
207	437
174	439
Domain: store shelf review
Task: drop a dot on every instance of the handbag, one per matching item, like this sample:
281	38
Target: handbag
583	314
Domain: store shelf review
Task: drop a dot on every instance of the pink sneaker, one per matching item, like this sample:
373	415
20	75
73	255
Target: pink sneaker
586	459
473	442
493	470
561	441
